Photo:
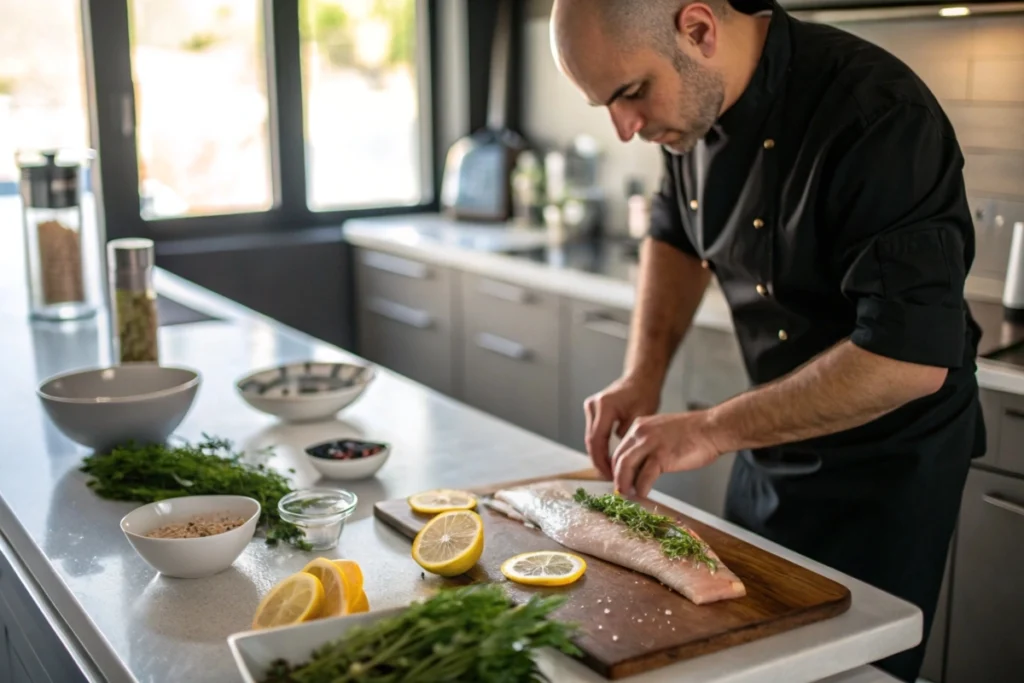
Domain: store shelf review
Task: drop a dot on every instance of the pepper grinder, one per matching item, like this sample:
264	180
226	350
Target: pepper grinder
1013	290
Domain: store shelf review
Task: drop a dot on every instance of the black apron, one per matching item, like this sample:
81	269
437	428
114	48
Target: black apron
884	515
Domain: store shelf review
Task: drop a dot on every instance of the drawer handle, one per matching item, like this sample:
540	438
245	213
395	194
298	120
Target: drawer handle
413	317
505	292
502	346
396	266
602	324
1002	503
1010	412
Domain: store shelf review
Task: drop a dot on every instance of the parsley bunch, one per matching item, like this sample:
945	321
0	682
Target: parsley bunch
156	472
471	634
675	541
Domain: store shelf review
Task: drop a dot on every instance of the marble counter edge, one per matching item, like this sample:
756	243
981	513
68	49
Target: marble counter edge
712	314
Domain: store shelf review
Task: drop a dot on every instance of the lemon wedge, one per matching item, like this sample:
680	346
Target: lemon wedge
360	604
544	568
441	500
450	543
353	572
336	589
294	600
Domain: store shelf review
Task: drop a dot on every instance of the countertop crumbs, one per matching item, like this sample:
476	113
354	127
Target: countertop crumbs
668	612
607	611
615	637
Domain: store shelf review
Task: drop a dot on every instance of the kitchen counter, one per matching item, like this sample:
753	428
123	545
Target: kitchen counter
605	274
122	622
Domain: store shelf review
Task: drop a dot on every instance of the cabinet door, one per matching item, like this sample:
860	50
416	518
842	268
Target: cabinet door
405	317
713	371
987	613
511	353
595	350
5	659
1011	434
992	412
932	669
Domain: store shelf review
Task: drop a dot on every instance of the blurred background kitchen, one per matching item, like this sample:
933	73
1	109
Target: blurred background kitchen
415	181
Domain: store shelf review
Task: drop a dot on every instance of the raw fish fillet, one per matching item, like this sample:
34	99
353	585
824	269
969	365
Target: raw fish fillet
551	507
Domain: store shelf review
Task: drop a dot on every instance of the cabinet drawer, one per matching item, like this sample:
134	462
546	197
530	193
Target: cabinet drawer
986	616
992	411
417	285
510	353
595	351
1011	434
713	367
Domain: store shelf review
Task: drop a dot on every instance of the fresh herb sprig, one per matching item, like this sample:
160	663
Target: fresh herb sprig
676	542
468	634
147	473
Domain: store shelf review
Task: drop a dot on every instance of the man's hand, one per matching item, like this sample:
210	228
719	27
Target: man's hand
659	444
616	408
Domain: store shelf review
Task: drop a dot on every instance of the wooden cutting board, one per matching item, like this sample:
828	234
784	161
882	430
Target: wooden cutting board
631	623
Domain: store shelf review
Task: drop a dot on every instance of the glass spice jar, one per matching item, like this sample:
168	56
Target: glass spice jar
130	262
55	251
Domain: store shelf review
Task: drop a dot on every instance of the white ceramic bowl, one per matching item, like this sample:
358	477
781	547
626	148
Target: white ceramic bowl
305	392
361	468
105	407
191	558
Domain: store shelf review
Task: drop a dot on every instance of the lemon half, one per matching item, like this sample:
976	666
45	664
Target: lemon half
294	600
544	568
450	544
441	500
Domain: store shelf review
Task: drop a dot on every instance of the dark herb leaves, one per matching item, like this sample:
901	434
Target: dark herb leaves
469	634
676	542
157	472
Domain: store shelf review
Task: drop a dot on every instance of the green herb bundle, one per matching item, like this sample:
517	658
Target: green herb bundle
471	634
676	542
210	467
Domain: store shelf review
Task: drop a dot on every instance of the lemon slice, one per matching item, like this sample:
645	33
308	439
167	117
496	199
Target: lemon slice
335	585
441	500
295	599
450	543
353	572
545	568
360	604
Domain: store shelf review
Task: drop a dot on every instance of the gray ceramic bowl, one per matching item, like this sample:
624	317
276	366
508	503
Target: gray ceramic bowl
102	408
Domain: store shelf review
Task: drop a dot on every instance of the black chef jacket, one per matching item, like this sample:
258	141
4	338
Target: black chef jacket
829	203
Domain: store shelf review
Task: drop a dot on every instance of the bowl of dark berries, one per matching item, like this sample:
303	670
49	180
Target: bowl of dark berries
348	458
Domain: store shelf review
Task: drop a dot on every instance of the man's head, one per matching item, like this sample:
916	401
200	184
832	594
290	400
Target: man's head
655	64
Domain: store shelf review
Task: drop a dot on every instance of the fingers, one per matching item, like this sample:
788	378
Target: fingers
628	459
599	428
649	473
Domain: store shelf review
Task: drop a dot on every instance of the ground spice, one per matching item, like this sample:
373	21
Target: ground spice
198	527
60	263
137	326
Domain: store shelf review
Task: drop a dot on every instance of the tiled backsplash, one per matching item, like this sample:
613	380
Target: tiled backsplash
975	66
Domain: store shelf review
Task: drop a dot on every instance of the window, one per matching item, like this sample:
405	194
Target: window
361	104
43	102
202	110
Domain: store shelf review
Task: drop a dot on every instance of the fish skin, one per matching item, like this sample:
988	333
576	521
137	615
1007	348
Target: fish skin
550	505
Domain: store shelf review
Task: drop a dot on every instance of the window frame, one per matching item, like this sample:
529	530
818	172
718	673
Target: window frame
112	102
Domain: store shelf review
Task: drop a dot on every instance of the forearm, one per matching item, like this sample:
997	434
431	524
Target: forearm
841	389
669	290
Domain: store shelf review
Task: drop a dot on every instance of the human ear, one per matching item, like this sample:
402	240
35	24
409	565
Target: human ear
697	30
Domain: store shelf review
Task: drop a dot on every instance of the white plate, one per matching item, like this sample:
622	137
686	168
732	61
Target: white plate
255	651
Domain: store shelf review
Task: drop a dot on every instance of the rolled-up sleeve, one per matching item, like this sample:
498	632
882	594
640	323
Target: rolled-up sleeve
666	221
896	212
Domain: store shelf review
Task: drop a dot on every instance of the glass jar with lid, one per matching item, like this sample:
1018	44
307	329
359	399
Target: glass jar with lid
133	300
57	254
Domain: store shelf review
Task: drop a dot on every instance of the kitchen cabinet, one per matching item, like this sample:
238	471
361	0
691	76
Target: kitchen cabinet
5	660
987	609
595	339
933	666
991	409
510	353
1011	434
405	317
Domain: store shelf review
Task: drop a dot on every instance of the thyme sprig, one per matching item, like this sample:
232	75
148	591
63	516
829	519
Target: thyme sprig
676	542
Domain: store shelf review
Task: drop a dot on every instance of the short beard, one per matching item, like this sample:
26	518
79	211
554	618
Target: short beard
703	107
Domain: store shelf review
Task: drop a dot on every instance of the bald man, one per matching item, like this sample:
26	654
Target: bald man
819	181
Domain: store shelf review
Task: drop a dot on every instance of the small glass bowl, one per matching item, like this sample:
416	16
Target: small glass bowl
319	513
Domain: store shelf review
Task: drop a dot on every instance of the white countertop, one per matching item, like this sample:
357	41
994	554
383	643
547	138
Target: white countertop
474	248
128	624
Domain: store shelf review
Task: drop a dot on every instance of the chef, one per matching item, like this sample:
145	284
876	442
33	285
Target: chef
819	181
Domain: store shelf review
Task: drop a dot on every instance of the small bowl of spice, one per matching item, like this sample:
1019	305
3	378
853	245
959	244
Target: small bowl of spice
319	513
348	458
193	536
